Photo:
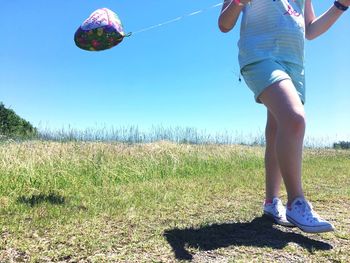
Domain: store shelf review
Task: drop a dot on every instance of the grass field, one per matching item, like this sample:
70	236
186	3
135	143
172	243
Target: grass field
160	202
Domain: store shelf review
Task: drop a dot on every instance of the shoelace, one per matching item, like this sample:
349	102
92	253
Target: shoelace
308	212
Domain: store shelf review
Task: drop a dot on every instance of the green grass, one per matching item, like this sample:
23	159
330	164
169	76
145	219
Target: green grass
160	202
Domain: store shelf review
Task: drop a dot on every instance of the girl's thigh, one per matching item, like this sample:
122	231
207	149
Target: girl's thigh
283	101
261	75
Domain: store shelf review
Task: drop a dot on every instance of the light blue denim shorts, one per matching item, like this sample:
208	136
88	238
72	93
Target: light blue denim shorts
260	75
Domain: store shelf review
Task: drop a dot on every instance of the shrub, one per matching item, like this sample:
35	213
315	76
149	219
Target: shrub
13	126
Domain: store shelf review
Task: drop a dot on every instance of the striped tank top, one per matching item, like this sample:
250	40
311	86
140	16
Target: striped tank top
272	29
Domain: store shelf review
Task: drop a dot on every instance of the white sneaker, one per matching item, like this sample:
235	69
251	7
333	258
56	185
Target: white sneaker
277	212
303	216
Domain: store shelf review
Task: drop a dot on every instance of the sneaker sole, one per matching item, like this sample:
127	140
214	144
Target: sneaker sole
312	229
282	223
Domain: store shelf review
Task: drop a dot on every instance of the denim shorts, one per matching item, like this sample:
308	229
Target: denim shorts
260	75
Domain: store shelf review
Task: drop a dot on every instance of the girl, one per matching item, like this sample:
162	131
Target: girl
271	58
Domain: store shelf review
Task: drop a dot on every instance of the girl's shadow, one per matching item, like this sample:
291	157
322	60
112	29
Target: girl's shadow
258	232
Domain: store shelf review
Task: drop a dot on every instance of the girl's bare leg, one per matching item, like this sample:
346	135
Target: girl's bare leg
272	168
284	104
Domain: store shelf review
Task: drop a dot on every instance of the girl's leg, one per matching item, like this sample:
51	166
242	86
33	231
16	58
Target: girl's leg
288	113
284	104
272	168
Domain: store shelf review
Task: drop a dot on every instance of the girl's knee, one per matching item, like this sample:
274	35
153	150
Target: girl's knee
295	123
292	121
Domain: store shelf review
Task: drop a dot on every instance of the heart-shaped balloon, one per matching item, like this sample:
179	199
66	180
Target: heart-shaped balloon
101	31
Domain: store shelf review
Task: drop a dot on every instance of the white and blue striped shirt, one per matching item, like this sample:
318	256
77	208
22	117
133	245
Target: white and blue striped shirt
272	29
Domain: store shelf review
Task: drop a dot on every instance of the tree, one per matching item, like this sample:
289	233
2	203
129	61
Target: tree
341	145
13	126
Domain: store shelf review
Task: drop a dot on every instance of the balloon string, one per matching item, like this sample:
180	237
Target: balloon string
175	19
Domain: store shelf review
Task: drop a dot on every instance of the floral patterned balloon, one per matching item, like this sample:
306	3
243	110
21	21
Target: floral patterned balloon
102	30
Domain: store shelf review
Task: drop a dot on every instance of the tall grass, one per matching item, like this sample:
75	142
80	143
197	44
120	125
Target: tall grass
133	134
38	166
187	135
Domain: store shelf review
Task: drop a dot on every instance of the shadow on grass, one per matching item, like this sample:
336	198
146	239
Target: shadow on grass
34	200
259	233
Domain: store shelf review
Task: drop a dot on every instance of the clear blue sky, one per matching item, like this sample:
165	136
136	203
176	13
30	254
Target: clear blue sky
182	74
